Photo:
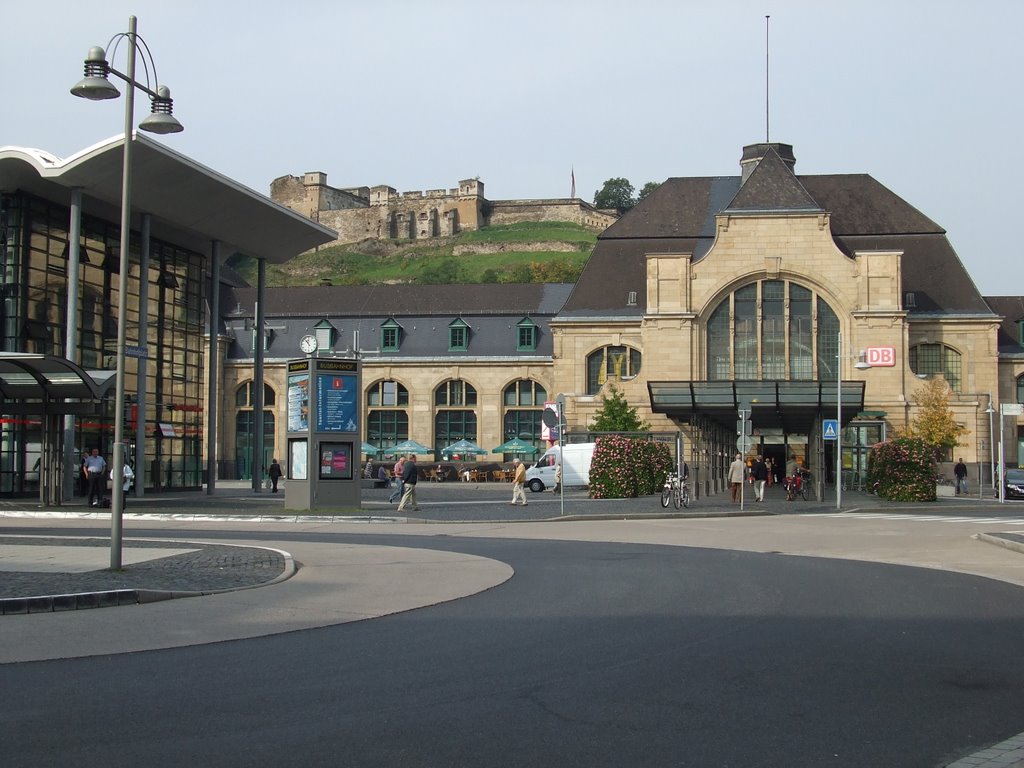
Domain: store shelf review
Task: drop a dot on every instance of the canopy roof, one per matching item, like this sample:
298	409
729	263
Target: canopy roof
37	377
794	406
190	205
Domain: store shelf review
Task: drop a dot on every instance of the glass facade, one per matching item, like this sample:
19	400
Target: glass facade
34	258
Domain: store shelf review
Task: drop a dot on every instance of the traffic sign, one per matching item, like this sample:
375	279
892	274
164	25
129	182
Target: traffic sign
830	429
1012	409
744	427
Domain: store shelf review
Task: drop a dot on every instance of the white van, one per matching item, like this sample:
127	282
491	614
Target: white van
575	467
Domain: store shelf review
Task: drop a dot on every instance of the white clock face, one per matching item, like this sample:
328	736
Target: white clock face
308	344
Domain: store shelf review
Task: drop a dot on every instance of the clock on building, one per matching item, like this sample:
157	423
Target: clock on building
308	344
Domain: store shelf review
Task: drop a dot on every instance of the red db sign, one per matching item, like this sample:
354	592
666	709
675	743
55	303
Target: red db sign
880	357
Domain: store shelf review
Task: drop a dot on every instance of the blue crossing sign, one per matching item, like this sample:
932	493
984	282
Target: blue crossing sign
830	429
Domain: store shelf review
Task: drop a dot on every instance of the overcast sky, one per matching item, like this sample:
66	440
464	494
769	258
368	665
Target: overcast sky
418	94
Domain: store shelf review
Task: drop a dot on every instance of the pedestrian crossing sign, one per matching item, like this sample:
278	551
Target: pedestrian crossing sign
830	429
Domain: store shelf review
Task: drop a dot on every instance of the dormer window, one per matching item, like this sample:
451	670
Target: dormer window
324	332
458	336
390	336
526	335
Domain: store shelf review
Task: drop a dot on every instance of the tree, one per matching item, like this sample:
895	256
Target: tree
935	422
616	415
649	187
616	193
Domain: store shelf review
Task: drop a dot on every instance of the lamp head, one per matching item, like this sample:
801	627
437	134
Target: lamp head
95	86
161	120
862	365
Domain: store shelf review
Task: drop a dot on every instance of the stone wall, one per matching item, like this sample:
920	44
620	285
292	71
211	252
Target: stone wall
565	209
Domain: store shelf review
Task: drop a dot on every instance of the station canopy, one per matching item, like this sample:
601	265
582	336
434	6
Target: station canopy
56	381
796	407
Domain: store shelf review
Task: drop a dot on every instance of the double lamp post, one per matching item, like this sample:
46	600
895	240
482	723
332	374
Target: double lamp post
96	86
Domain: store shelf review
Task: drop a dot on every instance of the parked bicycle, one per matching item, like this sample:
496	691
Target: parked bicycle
675	491
797	484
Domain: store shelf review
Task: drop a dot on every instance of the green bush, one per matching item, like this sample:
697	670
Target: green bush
902	469
624	468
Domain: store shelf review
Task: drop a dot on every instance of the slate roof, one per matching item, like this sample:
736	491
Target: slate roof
679	217
423	312
1012	310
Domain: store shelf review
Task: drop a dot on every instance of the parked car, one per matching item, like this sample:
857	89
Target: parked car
1014	488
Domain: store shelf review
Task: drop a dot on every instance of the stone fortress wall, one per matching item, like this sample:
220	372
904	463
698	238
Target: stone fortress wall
381	212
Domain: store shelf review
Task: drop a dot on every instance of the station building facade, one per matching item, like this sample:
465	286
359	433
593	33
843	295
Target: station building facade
762	290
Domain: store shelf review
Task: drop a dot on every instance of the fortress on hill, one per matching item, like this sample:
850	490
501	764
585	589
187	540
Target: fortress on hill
381	212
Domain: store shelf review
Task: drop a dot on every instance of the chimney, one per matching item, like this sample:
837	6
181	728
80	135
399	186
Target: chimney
752	154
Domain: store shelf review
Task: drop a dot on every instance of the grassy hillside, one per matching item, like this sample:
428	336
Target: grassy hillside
517	253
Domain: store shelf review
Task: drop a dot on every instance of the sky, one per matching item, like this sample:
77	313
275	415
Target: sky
923	95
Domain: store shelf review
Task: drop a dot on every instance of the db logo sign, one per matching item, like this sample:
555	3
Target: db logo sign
880	357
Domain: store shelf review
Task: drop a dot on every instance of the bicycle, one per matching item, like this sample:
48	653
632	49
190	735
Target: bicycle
676	491
797	485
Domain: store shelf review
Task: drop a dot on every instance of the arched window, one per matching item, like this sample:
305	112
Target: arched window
453	421
772	330
617	362
524	404
931	359
245	427
387	420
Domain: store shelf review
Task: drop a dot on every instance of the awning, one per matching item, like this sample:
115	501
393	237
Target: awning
190	204
45	377
796	407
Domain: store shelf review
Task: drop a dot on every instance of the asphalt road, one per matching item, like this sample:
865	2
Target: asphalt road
598	653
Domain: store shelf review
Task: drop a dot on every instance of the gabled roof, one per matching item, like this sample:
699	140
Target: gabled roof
679	217
772	186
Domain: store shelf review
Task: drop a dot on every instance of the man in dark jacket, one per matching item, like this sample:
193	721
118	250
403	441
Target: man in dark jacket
760	473
409	477
960	472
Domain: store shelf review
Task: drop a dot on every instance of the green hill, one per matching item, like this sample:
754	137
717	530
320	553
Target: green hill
528	252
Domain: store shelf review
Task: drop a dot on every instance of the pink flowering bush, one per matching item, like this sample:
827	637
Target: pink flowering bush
902	469
624	468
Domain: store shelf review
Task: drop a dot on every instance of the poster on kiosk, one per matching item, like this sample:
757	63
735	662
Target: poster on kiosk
322	469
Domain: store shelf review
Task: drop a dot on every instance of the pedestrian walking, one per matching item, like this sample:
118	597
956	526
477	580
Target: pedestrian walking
558	479
127	479
760	472
736	472
960	473
95	468
399	483
518	481
409	477
275	474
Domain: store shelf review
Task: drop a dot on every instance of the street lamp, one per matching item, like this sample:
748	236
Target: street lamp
861	365
96	87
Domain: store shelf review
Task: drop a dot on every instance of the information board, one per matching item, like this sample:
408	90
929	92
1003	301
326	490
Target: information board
336	402
298	402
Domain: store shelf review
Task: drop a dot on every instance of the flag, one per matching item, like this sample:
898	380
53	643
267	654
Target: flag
572	175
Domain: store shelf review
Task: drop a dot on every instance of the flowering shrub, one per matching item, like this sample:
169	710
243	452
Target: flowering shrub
902	469
624	468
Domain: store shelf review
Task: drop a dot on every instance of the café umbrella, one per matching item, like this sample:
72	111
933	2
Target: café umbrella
370	449
407	446
515	445
463	448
